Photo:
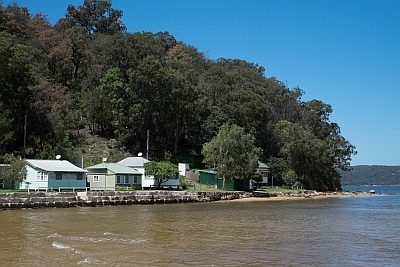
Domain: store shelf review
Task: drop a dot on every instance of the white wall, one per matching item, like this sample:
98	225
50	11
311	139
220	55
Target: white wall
182	168
31	177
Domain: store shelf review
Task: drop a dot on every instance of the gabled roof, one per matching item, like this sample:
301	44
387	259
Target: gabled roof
54	165
115	168
262	165
134	162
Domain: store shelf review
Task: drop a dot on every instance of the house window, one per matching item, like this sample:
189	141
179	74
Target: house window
42	176
118	179
127	179
79	176
95	178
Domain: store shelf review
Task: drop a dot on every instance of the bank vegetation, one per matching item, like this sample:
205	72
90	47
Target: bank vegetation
87	88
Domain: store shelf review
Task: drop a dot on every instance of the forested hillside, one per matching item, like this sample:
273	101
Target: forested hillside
372	175
87	78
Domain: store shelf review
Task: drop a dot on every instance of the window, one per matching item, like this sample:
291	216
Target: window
118	179
79	176
42	176
58	176
95	178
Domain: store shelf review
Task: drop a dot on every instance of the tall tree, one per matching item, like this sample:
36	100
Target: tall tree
15	81
313	159
114	97
161	170
96	16
233	153
15	171
6	132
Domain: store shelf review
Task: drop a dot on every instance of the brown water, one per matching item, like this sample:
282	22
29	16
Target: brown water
334	232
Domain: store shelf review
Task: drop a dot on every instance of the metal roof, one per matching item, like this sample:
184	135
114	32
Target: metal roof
134	162
210	171
115	168
54	165
262	165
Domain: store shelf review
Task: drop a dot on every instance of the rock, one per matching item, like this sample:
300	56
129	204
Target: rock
372	191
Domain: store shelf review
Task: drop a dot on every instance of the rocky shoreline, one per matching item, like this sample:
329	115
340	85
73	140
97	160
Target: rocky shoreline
95	199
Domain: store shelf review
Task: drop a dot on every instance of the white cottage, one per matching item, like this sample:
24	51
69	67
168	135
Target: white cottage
53	174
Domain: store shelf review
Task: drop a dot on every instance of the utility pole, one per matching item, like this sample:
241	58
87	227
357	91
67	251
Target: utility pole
147	144
24	153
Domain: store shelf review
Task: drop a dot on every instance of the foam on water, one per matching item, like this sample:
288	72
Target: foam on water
98	239
88	261
61	246
54	235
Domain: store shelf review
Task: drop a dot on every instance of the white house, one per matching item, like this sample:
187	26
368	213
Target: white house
53	174
147	181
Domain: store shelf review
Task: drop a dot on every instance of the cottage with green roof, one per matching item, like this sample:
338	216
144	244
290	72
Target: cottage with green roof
109	176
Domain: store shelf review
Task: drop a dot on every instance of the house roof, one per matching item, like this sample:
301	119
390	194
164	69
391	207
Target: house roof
210	171
54	165
115	168
134	161
262	165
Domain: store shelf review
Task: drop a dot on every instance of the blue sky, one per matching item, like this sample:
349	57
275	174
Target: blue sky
342	52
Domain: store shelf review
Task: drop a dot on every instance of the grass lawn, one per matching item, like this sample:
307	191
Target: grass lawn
197	187
12	191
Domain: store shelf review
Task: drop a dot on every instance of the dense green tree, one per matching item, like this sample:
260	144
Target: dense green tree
15	81
15	171
313	159
233	153
113	98
161	170
14	20
86	74
96	16
6	132
184	92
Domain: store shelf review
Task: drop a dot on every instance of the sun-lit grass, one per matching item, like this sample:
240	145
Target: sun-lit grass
12	191
197	187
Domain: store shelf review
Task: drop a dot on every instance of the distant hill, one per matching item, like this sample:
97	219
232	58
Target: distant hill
371	175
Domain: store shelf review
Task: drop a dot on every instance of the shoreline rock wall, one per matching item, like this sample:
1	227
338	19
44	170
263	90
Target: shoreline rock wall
95	198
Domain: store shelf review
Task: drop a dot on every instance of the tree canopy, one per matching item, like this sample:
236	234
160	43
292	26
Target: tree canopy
161	170
233	153
14	170
87	77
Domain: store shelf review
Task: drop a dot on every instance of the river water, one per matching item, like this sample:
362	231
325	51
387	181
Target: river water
342	231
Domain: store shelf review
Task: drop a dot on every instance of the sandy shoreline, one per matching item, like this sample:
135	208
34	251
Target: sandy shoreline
285	197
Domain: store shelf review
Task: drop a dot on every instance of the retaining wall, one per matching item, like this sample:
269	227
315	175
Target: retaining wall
89	198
